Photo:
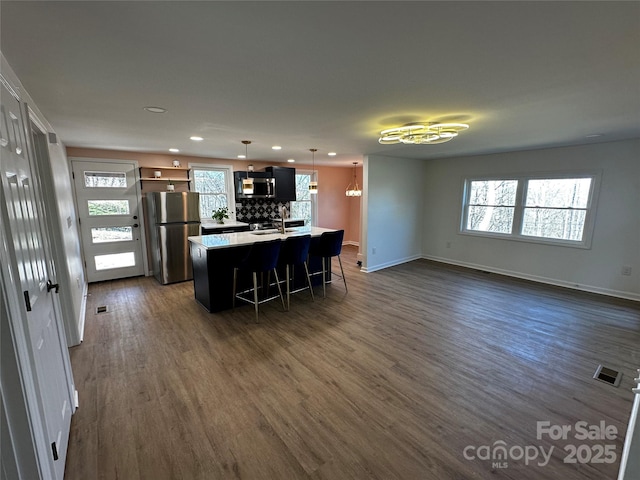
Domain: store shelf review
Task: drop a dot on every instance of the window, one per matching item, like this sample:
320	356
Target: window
215	185
111	234
556	208
108	207
115	260
305	205
491	205
105	179
549	209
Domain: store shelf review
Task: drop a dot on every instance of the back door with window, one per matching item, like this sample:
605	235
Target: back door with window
107	196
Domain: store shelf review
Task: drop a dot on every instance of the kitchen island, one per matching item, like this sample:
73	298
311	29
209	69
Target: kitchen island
214	257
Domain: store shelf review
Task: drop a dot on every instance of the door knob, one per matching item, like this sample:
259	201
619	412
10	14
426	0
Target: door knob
51	286
135	225
135	217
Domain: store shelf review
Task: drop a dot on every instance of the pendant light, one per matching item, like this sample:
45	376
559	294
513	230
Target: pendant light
247	183
313	186
353	190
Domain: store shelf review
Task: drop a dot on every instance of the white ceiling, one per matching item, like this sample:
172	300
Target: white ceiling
327	75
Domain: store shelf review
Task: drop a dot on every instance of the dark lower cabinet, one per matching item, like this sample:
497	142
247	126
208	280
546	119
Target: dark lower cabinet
229	229
294	223
213	275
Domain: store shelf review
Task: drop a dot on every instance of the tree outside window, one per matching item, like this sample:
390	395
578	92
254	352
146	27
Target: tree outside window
556	208
542	209
303	207
213	185
491	205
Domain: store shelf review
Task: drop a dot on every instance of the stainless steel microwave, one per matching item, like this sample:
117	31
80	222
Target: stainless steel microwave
262	188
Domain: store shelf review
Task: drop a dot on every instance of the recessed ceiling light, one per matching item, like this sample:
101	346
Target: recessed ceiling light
155	109
196	138
174	150
291	160
242	156
594	135
276	147
332	154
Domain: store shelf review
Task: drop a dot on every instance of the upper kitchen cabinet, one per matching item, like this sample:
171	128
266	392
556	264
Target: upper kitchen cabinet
263	185
285	183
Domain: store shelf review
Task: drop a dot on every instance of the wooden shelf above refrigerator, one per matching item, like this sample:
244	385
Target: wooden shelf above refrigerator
175	175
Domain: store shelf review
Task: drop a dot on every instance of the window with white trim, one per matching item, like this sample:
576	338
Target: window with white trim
555	209
215	185
491	205
305	205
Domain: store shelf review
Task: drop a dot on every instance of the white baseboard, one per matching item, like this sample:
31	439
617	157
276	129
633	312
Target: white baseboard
83	312
538	278
393	263
351	242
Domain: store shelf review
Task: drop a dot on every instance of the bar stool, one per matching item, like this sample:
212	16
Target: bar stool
295	251
262	257
330	245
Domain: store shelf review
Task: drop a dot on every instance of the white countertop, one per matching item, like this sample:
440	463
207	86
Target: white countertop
210	224
224	240
226	224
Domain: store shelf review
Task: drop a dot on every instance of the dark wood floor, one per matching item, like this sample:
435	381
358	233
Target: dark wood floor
391	381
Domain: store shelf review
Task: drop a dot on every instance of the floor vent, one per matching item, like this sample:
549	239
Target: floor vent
608	375
102	309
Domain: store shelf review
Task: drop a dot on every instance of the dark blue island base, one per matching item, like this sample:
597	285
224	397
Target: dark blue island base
213	275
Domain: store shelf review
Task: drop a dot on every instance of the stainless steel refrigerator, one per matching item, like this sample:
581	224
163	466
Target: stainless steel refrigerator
172	217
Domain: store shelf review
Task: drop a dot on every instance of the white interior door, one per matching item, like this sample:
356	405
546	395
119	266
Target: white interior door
107	194
29	246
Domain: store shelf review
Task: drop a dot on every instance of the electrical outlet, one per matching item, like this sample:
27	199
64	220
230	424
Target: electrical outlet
448	244
373	250
626	270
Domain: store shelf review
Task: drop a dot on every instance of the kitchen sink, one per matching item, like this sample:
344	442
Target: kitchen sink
272	231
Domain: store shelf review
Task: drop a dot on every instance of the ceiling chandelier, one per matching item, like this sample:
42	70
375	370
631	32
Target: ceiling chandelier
247	183
353	190
427	133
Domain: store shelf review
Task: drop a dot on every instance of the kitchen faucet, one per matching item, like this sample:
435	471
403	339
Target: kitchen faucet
283	215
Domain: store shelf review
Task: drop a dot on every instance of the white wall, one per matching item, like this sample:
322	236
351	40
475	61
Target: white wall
616	236
392	214
70	238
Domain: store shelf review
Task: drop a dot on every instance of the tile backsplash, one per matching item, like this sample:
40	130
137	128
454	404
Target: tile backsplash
258	209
